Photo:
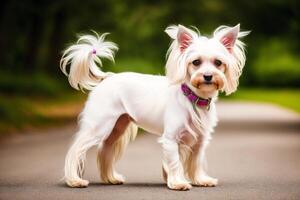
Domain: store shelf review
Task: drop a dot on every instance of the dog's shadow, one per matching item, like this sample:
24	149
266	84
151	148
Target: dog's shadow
132	184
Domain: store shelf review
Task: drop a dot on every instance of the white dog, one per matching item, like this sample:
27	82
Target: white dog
178	107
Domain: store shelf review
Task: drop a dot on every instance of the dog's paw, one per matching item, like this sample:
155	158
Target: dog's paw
206	181
78	183
117	179
180	186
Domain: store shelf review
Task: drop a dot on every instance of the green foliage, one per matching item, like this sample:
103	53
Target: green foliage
27	85
276	64
134	65
34	33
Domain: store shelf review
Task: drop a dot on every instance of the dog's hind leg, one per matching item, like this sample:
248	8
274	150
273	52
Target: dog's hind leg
113	147
86	138
74	161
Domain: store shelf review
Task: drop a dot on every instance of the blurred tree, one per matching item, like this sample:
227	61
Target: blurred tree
33	33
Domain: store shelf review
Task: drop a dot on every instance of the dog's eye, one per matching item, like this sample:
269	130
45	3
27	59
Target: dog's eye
218	63
197	62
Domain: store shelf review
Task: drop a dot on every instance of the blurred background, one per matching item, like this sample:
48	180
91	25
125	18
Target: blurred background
33	34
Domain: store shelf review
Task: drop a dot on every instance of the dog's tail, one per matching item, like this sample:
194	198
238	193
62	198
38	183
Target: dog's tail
84	60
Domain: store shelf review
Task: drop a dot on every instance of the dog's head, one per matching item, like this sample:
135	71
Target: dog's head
206	64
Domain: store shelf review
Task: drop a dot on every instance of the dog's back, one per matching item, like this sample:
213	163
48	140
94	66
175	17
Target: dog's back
137	94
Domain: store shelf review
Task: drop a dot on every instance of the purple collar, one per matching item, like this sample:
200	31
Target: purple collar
194	98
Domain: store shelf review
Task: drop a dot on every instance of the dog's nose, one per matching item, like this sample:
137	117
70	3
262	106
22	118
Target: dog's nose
207	77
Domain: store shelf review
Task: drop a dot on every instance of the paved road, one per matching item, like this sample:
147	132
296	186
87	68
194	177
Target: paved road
255	153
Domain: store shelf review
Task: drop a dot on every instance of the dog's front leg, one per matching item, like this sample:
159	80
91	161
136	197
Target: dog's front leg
197	174
172	165
175	117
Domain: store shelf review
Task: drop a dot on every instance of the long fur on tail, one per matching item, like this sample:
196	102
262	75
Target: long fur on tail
106	162
84	60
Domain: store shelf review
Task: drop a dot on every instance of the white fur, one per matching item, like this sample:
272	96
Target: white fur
84	72
154	103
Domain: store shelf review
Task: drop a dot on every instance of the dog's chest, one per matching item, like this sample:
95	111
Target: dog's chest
203	119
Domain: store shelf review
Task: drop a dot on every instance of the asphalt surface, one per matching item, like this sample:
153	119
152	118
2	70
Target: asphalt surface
255	154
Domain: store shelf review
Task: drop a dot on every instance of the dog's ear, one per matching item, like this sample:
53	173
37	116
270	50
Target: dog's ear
183	35
172	31
229	37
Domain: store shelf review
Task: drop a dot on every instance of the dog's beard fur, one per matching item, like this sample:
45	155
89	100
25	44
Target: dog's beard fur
195	78
136	102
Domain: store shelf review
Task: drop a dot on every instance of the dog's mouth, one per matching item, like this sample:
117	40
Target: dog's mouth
208	85
200	85
208	82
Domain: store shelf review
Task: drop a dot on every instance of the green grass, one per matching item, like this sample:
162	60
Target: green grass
36	84
31	112
288	98
36	100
